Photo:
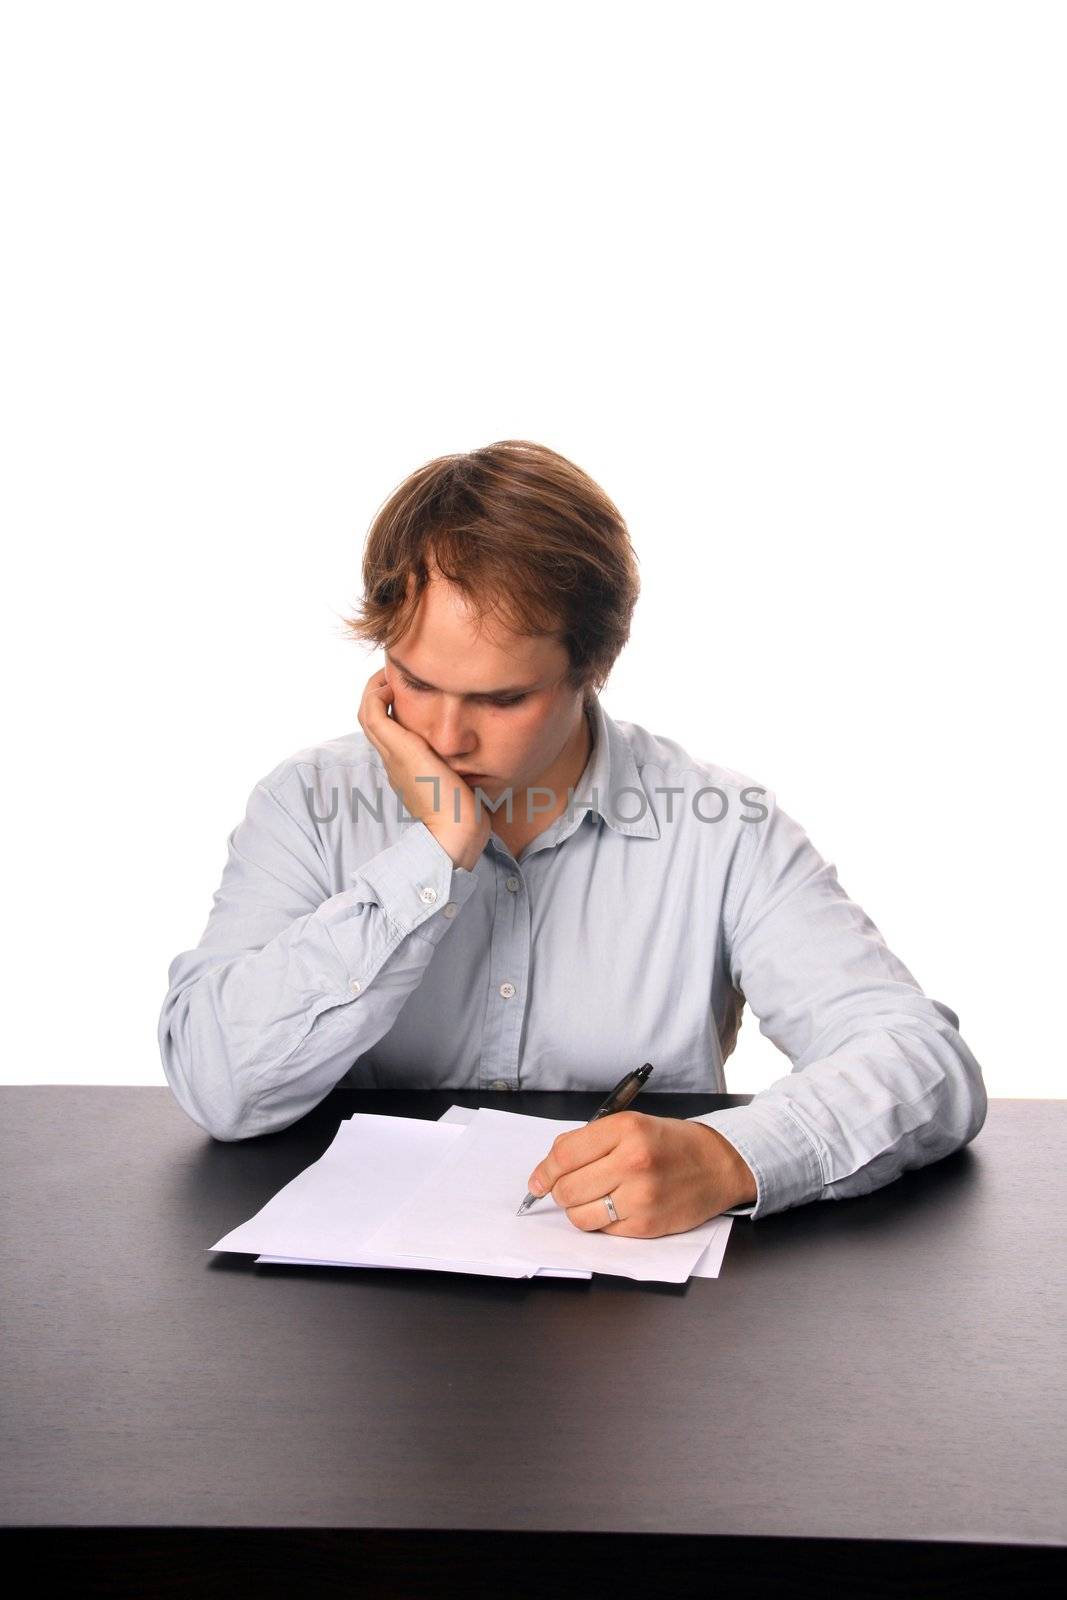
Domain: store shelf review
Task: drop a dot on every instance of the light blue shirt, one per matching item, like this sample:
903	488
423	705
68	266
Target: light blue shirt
344	946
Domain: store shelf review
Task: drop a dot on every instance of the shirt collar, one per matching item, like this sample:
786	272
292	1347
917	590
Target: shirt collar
611	783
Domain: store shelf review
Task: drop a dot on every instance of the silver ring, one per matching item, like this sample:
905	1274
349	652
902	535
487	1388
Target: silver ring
612	1213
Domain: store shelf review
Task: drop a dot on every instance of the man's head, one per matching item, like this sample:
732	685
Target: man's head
500	574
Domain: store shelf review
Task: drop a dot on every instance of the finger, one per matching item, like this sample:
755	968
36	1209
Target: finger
368	724
577	1148
376	680
594	1217
381	729
583	1185
377	692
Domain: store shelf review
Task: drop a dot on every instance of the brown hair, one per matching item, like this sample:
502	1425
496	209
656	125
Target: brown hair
525	534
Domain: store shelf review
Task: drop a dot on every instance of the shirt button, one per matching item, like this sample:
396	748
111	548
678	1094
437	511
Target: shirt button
512	883
428	895
507	990
499	1083
450	910
355	986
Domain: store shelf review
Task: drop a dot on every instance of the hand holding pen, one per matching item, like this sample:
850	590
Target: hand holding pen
624	1092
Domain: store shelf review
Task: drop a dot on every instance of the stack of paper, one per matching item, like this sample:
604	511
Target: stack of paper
443	1196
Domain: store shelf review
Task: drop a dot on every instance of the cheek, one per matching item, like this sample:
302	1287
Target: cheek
405	708
521	729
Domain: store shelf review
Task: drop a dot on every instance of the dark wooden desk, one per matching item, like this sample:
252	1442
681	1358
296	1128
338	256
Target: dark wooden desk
869	1400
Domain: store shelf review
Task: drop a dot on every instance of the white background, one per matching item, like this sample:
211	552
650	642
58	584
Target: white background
786	279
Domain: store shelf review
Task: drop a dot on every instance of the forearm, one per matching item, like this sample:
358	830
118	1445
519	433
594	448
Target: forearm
881	1078
252	1040
887	1099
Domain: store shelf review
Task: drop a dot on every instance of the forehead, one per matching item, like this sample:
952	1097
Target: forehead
446	645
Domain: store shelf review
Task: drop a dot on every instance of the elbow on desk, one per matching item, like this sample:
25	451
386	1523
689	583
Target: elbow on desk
971	1100
226	1119
203	1082
219	1115
939	1105
230	1131
958	1101
979	1104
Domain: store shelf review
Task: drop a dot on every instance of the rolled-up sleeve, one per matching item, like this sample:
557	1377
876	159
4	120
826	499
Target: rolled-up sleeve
881	1078
291	983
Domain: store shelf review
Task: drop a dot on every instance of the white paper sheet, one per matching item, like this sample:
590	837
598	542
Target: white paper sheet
413	1262
327	1212
366	1171
709	1264
438	1196
469	1209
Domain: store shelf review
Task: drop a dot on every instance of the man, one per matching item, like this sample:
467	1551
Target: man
495	885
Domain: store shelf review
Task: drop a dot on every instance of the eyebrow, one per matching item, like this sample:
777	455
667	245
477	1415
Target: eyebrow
483	694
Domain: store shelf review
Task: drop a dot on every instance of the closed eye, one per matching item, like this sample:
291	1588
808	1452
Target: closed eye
492	700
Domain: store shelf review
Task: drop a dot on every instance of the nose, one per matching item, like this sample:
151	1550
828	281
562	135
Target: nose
452	732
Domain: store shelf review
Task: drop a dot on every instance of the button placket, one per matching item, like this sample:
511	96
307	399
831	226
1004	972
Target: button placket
508	978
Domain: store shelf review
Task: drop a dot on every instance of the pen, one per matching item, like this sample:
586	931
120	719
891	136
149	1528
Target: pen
625	1091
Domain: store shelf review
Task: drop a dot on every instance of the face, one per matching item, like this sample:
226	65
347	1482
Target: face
495	703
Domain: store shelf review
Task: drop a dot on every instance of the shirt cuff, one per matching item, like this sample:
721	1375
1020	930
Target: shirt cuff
784	1162
415	881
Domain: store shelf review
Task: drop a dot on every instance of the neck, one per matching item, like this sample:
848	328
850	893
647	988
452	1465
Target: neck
560	778
574	765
